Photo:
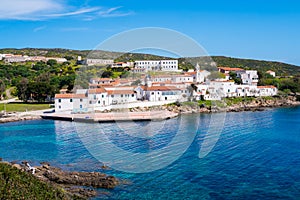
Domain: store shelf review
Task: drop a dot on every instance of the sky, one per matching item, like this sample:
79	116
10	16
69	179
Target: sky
265	30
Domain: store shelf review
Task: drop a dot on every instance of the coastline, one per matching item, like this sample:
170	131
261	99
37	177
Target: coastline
256	104
70	184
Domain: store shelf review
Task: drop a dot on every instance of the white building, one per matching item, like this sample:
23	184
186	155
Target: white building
59	60
97	97
272	73
162	93
14	59
156	65
71	102
121	95
122	64
182	78
248	77
94	61
268	90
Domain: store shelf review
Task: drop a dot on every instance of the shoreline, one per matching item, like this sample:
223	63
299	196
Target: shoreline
82	185
256	104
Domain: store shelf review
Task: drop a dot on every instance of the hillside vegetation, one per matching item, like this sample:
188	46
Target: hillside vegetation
39	81
15	184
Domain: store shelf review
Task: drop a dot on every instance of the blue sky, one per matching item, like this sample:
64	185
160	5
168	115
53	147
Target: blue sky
257	29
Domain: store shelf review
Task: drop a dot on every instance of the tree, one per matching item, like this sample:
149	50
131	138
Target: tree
234	77
51	62
22	90
2	88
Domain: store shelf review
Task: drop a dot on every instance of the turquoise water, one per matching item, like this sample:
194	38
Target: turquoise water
256	156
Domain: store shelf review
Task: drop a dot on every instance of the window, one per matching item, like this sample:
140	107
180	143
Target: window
80	100
98	102
91	102
121	95
102	95
59	100
132	95
112	96
152	93
95	97
71	100
59	107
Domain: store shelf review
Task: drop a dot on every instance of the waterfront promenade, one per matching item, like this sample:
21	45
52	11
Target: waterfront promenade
112	116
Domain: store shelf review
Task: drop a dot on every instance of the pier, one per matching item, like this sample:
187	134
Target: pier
112	116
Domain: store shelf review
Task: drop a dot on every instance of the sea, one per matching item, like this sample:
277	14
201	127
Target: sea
244	155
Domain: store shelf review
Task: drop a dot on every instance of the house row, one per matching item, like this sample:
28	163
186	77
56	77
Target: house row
106	92
11	58
84	100
216	90
248	77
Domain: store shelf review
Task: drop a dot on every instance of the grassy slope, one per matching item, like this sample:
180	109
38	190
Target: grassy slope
15	184
11	107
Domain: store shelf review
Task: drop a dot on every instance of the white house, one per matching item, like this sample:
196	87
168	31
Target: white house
182	78
97	97
156	65
268	90
94	61
272	73
162	93
120	94
122	64
249	77
13	59
71	102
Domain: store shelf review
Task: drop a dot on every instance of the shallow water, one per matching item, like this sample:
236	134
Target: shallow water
255	156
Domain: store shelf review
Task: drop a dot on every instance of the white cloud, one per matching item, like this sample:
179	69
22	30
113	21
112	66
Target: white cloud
45	9
28	9
78	12
39	28
114	12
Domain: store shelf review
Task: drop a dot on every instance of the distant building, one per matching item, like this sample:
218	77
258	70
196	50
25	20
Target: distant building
59	60
93	61
14	59
227	70
155	65
123	64
272	73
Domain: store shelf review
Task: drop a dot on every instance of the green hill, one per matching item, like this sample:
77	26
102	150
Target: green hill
281	69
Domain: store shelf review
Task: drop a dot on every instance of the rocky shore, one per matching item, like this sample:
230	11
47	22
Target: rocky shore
16	117
79	184
256	104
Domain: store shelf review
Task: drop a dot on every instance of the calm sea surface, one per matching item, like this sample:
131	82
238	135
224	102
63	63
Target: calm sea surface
256	155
